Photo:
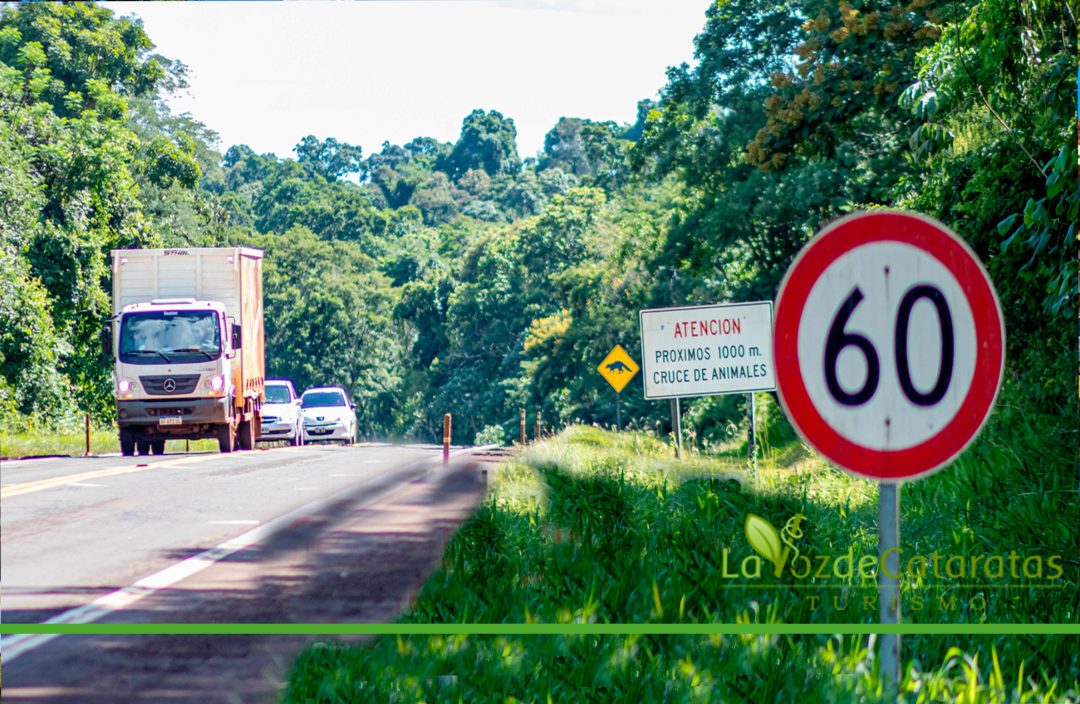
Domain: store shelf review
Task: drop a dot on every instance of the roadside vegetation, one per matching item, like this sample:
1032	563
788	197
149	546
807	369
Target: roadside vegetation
599	527
464	277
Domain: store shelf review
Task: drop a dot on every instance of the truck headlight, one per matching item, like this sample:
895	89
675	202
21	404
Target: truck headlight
125	386
215	383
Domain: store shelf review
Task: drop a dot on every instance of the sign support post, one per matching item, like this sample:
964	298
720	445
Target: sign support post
618	411
751	436
889	592
676	425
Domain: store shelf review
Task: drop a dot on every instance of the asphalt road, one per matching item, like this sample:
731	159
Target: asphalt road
64	545
247	537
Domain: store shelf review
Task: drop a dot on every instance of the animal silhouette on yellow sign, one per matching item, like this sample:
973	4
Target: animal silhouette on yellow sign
618	368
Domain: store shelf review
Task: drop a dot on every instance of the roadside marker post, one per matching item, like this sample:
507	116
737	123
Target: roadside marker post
446	432
523	438
539	426
889	356
87	417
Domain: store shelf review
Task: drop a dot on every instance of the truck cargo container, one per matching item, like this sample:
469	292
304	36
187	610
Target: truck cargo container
186	339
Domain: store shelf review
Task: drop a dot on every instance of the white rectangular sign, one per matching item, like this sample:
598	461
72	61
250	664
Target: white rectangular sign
707	350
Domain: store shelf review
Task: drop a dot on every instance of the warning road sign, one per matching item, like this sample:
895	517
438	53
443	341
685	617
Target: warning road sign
889	344
618	368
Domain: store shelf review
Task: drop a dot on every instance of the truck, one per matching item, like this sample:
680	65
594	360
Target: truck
186	339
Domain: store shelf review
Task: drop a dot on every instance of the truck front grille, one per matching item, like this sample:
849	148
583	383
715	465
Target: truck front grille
169	385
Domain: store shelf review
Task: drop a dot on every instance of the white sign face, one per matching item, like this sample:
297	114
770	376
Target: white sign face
902	422
889	344
707	350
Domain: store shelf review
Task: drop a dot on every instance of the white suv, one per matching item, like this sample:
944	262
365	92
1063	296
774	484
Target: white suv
281	413
328	415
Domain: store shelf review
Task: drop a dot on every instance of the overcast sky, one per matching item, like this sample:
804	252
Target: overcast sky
266	74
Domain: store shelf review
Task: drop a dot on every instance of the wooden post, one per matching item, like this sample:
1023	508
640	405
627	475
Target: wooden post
539	426
523	438
446	438
87	434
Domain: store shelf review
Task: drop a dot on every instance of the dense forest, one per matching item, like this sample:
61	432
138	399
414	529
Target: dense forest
432	277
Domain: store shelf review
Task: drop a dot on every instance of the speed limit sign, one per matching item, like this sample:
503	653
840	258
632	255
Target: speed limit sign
889	344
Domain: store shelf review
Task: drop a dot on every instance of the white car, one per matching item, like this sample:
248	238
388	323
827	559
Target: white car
281	419
328	415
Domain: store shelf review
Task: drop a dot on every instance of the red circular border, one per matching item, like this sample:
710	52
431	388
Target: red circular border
939	242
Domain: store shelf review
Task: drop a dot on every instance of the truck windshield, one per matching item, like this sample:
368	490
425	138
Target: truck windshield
170	336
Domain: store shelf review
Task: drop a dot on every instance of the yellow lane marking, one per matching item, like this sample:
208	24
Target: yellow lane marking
42	484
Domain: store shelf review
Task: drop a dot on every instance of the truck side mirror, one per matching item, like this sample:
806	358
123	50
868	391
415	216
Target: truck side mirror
236	337
106	339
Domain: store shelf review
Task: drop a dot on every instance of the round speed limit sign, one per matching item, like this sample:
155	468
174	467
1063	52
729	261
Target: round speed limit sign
889	344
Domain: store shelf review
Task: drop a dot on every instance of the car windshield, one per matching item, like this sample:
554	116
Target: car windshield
320	399
169	336
277	394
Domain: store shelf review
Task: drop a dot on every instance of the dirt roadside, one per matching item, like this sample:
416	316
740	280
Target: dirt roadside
359	564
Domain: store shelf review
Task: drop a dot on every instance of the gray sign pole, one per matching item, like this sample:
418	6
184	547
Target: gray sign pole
676	425
751	436
888	583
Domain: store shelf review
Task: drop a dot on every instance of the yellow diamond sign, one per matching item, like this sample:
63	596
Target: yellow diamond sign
618	368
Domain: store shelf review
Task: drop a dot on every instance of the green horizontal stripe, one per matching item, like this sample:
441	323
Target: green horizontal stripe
537	629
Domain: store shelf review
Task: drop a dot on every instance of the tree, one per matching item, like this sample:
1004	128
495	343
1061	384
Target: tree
488	141
329	158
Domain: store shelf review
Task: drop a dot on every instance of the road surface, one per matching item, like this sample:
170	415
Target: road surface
301	535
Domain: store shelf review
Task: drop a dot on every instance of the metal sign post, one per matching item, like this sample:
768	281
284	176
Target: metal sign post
618	411
888	583
751	437
676	425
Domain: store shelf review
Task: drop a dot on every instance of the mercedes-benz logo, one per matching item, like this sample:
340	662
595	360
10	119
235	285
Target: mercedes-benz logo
169	386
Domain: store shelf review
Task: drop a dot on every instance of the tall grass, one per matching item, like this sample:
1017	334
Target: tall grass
597	527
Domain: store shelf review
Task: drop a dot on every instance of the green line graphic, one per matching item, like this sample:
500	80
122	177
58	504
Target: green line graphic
538	629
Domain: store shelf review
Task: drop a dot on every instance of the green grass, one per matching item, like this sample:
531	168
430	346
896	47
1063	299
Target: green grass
43	442
594	527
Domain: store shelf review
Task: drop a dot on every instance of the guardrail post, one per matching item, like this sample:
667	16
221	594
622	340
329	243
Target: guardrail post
446	423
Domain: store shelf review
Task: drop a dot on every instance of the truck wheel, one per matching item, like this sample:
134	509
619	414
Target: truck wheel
157	447
225	438
143	445
127	442
247	434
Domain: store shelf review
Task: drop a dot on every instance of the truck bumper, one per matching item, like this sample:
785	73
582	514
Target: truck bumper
191	412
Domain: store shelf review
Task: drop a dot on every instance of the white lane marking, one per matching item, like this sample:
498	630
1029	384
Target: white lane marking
240	522
84	484
13	646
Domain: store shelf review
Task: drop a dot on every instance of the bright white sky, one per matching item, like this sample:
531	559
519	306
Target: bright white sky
266	74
